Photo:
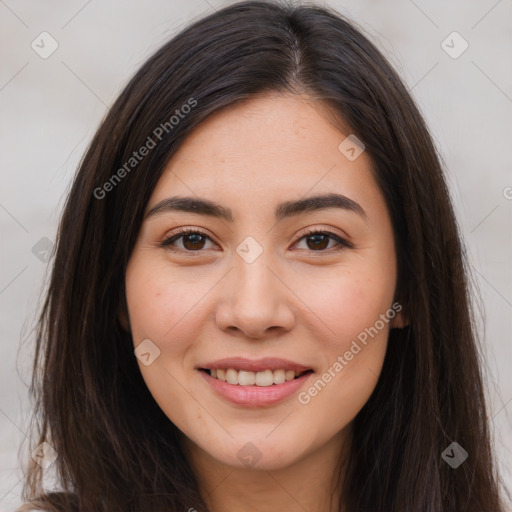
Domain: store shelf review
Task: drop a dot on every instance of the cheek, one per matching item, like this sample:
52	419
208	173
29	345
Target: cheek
347	302
163	301
353	349
356	306
163	306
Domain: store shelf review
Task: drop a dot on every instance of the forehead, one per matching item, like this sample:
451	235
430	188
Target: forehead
268	128
264	149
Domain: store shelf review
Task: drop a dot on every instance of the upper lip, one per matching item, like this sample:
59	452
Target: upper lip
255	365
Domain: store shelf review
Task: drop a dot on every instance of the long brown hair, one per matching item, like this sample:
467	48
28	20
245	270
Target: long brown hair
117	451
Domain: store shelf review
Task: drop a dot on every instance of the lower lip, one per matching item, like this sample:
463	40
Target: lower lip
255	396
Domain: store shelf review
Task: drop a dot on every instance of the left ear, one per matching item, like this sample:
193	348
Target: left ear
123	317
399	321
401	318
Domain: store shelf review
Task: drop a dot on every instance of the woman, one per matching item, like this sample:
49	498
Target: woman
259	298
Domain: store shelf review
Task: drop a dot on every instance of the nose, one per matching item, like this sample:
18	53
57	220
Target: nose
255	301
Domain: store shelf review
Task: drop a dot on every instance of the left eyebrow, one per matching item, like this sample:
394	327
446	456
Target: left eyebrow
285	209
319	202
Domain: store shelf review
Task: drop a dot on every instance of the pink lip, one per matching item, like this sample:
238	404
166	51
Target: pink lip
256	365
255	396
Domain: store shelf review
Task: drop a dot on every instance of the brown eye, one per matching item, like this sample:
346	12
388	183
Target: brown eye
318	241
191	241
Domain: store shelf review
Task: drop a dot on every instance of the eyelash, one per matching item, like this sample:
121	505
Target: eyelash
342	243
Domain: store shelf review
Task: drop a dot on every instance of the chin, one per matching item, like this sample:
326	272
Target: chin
258	453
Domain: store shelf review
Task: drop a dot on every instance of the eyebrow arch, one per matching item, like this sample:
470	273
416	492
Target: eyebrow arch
283	210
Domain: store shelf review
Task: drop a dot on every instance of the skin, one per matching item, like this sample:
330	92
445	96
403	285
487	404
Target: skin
297	300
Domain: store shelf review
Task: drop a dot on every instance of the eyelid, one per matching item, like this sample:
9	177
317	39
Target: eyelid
188	229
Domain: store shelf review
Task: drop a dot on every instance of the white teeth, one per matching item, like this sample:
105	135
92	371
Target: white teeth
289	375
232	376
279	376
265	378
246	378
243	378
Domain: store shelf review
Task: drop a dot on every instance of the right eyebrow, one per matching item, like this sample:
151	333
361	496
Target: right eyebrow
192	205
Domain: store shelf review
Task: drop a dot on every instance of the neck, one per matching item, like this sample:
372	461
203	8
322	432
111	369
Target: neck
311	483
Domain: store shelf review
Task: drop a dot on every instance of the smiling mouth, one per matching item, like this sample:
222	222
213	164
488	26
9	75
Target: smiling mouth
264	378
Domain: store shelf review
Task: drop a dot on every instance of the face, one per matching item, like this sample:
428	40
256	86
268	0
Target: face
267	281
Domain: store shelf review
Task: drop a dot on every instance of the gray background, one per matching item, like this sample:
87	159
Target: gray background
51	107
